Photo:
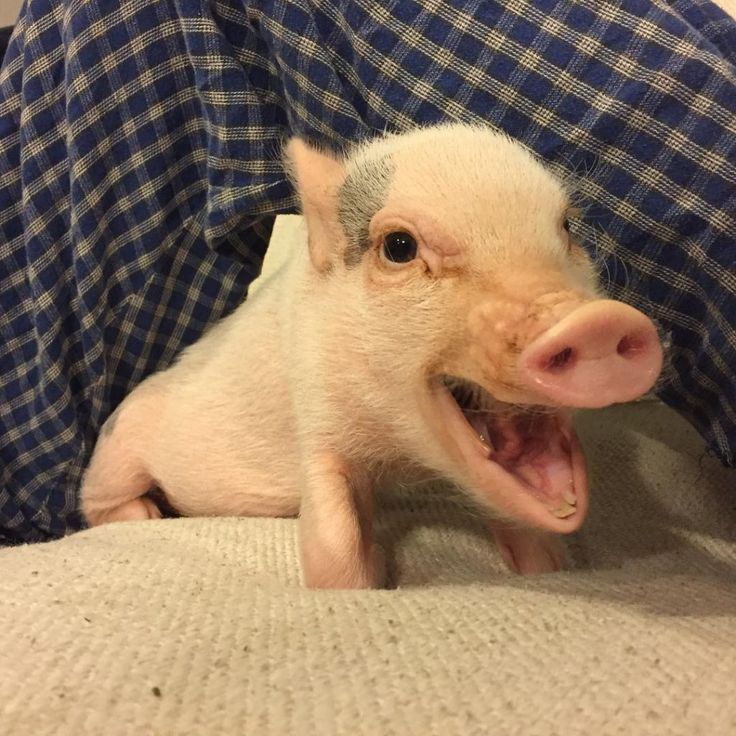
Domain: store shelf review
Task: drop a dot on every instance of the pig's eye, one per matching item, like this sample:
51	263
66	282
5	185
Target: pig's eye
566	224
399	247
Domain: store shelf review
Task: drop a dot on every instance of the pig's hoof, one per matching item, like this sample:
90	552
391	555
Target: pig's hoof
138	509
356	573
530	553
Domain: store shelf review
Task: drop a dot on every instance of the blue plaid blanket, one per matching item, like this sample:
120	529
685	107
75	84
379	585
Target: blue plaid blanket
139	178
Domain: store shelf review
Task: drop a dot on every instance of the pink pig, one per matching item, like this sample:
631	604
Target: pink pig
442	321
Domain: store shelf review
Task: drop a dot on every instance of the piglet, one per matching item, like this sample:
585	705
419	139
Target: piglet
441	321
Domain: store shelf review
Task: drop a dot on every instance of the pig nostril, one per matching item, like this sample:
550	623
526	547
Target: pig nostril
628	346
560	361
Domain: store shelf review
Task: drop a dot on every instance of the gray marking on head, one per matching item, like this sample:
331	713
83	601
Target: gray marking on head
109	425
361	195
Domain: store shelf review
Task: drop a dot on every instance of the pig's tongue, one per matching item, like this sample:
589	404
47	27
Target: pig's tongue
529	466
535	451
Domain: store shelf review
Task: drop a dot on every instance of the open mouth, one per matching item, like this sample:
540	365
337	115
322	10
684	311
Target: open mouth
525	462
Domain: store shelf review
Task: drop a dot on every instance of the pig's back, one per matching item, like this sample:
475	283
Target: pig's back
226	439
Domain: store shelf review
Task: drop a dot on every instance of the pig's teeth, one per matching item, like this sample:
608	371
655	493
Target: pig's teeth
569	496
478	423
563	510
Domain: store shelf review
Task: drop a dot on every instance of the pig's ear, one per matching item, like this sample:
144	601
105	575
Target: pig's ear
317	176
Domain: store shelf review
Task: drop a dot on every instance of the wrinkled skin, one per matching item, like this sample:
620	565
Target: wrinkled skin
441	321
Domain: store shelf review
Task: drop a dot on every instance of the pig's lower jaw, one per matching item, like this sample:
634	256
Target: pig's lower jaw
526	465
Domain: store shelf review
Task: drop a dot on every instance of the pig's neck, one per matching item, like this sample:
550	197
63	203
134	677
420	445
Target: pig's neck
338	402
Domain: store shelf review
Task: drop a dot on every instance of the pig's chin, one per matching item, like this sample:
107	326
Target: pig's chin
524	462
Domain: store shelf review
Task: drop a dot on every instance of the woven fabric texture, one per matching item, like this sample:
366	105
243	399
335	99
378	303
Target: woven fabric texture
139	168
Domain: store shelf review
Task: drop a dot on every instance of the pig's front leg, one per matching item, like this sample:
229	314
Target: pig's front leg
336	527
527	551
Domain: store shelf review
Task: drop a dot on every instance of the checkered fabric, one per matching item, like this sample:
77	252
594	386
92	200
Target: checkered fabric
139	148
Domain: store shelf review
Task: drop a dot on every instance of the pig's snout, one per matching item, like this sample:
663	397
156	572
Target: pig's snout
602	353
